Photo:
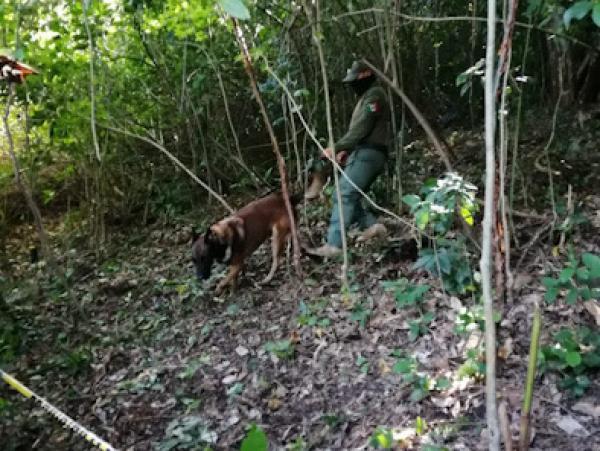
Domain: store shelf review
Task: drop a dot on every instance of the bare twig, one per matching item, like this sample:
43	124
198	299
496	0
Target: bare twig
316	32
466	19
175	160
92	79
503	72
280	161
35	211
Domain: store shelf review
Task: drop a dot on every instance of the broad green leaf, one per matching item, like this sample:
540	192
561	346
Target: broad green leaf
255	440
301	93
549	282
596	14
577	11
235	8
403	366
411	200
414	330
381	438
551	294
461	78
418	394
573	358
428	317
467	216
572	296
464	88
592	262
585	293
422	219
442	383
420	426
583	273
566	274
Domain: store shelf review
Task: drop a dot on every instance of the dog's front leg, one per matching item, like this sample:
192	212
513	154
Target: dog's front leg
230	278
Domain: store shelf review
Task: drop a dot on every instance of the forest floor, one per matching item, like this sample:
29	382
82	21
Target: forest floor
135	349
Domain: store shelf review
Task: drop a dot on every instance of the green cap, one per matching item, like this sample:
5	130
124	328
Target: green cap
354	71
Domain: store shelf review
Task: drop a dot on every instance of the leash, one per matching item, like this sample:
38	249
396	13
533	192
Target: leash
62	417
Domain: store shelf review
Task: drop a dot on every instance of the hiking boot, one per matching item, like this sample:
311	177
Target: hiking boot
376	230
316	186
327	250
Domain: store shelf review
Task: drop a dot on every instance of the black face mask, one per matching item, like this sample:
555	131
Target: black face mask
360	86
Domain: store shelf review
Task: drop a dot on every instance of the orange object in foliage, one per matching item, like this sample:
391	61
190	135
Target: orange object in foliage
12	70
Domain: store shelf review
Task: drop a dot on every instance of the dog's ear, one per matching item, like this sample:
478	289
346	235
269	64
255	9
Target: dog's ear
209	236
195	235
237	224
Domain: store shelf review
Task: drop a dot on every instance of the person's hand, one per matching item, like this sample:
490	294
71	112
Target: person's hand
328	153
341	157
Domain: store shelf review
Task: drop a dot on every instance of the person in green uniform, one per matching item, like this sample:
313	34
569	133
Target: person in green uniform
363	150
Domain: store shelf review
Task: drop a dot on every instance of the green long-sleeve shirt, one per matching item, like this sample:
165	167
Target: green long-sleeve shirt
369	123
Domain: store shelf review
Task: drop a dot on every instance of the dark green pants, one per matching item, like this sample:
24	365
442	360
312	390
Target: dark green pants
363	167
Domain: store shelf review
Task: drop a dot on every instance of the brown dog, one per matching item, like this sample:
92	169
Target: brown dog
236	237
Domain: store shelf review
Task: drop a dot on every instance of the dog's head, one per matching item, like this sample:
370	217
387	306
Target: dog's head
216	244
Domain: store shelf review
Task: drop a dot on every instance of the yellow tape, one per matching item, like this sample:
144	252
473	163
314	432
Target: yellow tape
62	417
16	384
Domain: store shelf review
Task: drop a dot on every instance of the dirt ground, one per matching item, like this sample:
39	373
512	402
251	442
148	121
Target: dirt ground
139	352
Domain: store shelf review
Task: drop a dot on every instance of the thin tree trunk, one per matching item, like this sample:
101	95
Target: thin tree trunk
92	79
488	218
280	161
316	32
507	279
35	211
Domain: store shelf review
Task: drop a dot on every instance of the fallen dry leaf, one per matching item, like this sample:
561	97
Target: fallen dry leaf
587	408
593	307
274	404
506	349
571	426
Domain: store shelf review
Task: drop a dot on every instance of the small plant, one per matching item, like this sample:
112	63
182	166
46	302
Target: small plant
309	315
255	440
581	9
448	261
409	295
574	354
420	326
382	438
74	362
236	389
421	383
283	349
440	200
473	367
297	445
578	280
332	419
189	432
360	314
406	293
193	365
363	364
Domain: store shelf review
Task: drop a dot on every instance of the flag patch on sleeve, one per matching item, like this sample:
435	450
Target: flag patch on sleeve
373	107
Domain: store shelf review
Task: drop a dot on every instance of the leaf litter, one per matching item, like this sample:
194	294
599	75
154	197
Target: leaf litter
150	360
